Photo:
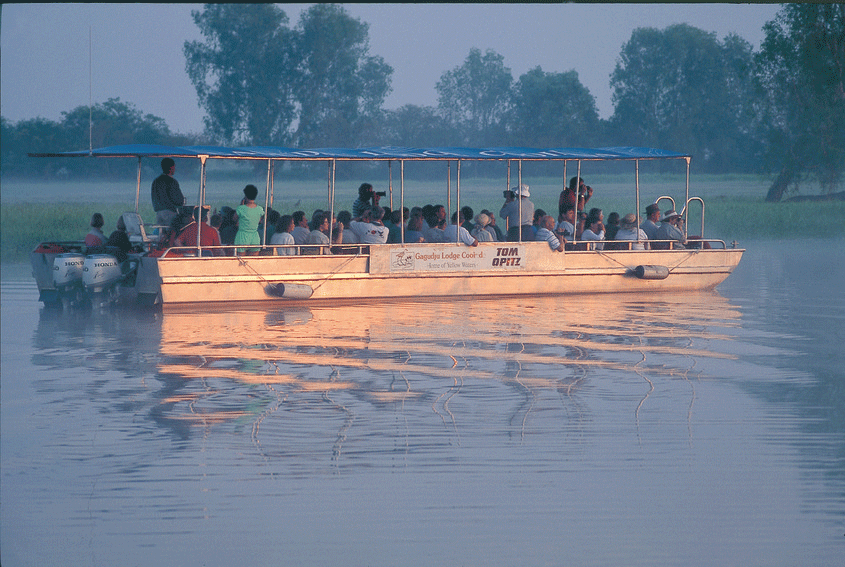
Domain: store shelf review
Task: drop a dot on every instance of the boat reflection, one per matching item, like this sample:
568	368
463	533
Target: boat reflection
457	361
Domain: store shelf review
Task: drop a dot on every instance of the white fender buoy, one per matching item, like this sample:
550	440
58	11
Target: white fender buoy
651	272
289	290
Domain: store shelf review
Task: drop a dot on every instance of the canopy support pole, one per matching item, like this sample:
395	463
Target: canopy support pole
637	189
686	204
332	170
519	195
267	199
508	188
201	202
449	186
138	187
402	200
457	202
390	182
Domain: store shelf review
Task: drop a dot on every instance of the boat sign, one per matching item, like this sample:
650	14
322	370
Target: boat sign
508	256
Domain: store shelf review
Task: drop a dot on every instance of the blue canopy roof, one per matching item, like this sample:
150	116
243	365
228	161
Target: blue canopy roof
373	153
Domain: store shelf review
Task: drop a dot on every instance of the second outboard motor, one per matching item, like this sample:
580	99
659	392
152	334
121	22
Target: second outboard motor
101	274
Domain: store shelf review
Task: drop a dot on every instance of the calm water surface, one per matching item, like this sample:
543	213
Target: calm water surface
694	429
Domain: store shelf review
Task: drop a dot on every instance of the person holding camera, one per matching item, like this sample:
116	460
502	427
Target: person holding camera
367	197
518	214
568	195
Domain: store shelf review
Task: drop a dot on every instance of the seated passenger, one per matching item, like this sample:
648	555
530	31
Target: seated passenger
208	234
480	232
95	237
535	224
467	214
228	228
369	228
580	225
456	233
612	226
349	237
271	219
546	233
628	230
414	233
436	232
300	228
394	231
493	227
283	236
649	225
320	221
669	229
566	223
120	240
594	230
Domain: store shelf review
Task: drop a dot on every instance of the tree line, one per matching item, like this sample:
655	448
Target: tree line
262	81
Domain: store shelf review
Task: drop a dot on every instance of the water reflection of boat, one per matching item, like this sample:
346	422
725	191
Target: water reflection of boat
405	270
253	367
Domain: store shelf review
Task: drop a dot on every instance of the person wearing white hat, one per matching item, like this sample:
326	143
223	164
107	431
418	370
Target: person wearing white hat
519	214
628	230
670	229
480	232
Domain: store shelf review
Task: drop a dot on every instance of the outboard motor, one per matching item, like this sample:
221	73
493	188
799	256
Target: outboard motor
101	274
67	275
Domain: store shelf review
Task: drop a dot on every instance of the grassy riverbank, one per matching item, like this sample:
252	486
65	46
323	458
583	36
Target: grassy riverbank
735	210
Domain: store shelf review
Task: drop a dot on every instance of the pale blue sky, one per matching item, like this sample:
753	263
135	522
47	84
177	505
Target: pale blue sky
137	48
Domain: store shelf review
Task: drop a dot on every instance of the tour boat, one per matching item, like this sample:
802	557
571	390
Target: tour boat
174	277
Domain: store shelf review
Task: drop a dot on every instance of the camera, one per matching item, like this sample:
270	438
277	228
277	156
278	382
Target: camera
381	193
508	194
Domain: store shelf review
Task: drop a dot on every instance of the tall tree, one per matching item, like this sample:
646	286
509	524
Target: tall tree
243	72
681	88
340	87
415	126
475	96
801	71
552	110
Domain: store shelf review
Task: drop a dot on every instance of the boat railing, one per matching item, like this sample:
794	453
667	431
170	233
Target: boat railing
684	213
231	250
667	197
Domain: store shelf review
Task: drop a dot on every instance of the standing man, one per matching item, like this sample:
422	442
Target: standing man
166	194
518	211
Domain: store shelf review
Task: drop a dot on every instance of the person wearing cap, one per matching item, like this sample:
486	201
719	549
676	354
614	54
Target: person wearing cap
166	194
670	229
519	214
649	225
628	231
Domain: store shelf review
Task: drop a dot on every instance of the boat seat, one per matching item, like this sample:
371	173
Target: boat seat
135	228
310	250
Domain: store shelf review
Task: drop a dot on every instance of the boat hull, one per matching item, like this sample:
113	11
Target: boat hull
438	270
